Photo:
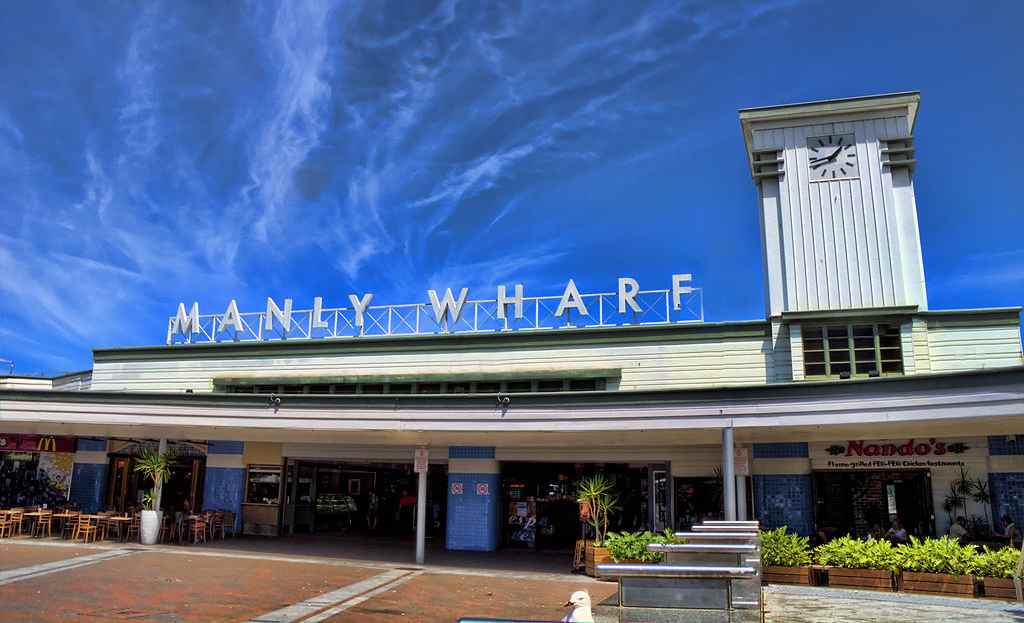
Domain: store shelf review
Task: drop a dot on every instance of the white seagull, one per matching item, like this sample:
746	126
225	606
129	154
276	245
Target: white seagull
580	602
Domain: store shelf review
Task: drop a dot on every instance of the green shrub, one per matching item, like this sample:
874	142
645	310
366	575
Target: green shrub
996	563
633	545
779	549
850	553
944	555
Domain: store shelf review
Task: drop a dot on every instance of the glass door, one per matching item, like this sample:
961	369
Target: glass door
660	505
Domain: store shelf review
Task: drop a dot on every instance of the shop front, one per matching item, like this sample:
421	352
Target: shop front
35	470
862	487
182	491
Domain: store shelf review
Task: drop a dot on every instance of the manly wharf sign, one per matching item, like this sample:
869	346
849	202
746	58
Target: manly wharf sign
444	314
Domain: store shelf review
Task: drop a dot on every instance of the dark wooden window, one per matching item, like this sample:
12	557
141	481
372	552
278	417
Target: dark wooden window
515	387
847	350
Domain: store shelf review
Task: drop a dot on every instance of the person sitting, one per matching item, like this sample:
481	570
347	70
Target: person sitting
876	532
959	530
1010	532
897	533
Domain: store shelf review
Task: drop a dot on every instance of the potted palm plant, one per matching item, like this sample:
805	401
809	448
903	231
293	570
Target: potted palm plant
597	499
156	467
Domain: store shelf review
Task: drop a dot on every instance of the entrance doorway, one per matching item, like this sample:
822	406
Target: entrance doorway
542	512
863	503
184	489
371	499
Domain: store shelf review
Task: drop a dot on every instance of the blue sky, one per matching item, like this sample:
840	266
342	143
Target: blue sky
159	152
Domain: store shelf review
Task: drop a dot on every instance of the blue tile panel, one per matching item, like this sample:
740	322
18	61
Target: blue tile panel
999	445
223	490
785	500
470	452
225	447
473	515
88	485
795	450
1007	497
91	444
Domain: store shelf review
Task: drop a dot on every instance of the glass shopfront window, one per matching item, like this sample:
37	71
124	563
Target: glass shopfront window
263	485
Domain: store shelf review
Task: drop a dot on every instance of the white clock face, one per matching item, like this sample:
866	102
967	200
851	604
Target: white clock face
831	157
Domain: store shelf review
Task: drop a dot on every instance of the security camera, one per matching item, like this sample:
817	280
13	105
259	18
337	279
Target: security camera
274	401
504	400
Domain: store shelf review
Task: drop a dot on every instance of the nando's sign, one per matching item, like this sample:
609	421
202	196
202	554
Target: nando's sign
909	448
36	443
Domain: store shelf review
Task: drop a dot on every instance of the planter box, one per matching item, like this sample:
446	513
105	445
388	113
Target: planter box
873	579
937	584
786	575
596	556
999	588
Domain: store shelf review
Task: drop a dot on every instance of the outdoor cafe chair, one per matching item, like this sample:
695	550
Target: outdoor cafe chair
17	517
133	526
6	525
67	529
198	528
217	525
85	528
229	523
43	522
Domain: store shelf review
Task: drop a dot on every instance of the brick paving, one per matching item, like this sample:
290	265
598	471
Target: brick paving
14	555
203	584
446	597
155	586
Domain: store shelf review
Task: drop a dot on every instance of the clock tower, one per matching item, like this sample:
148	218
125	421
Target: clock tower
836	200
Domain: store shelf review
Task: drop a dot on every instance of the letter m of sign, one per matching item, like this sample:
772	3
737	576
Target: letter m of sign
184	324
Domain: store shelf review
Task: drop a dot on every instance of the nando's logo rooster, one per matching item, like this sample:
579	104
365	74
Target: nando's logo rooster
912	447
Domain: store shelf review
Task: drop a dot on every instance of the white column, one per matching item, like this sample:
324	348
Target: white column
421	517
158	489
741	498
728	475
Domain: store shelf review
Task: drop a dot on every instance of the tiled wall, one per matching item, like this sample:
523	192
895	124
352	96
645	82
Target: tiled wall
474	505
470	452
88	486
793	450
224	484
1007	497
785	500
1003	445
89	474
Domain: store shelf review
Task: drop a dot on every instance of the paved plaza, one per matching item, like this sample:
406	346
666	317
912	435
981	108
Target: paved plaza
56	581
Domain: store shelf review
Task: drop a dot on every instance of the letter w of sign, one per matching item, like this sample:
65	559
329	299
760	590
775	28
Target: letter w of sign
448	307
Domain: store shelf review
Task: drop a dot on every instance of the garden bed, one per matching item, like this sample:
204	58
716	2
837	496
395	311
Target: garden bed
786	575
937	584
873	579
596	556
998	588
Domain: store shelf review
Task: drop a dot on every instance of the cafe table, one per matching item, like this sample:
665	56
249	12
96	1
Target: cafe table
63	516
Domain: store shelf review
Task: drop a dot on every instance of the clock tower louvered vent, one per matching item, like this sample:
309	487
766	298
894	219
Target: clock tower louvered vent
768	163
898	152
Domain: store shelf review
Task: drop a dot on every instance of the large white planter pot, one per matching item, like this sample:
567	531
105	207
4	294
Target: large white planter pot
149	530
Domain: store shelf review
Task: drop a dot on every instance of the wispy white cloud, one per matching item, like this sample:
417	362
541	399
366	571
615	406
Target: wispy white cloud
298	48
139	114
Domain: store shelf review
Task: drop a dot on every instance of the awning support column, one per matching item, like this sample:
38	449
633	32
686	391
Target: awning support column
741	498
158	489
728	475
421	516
